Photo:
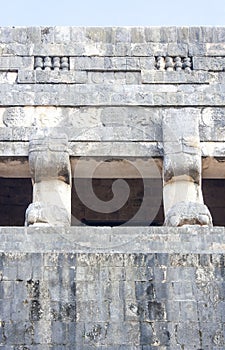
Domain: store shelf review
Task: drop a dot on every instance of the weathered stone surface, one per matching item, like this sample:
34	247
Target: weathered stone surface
125	94
112	95
65	296
188	213
112	34
183	199
185	241
39	214
51	175
49	158
164	77
209	63
60	77
13	63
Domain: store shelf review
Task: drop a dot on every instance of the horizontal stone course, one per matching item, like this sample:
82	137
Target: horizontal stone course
145	121
111	95
118	41
78	77
112	34
117	239
53	77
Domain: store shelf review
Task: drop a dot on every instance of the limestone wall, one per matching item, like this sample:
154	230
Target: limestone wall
110	84
112	91
112	288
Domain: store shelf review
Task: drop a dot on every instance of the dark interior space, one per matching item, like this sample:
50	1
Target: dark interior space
15	196
143	207
214	198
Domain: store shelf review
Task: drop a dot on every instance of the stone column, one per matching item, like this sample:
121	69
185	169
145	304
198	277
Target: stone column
182	193
51	177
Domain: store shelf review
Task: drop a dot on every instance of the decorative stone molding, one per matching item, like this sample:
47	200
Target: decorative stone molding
168	63
51	176
49	63
177	63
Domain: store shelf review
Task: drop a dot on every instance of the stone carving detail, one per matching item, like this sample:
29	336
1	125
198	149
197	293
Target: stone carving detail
182	193
173	63
48	63
178	63
169	63
160	63
188	213
187	64
51	176
56	63
38	63
64	63
40	213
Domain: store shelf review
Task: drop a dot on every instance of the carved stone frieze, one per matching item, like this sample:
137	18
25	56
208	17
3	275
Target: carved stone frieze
176	63
49	63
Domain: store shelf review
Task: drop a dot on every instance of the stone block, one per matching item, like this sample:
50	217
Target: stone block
120	35
62	34
137	35
209	63
195	35
161	77
188	311
152	34
199	49
58	333
168	34
183	35
15	63
6	290
172	121
146	333
141	49
188	335
215	49
27	77
87	63
219	34
99	34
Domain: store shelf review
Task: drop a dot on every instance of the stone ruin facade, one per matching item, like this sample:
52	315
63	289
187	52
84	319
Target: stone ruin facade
112	188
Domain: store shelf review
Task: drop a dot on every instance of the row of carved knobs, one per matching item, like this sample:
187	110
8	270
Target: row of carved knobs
51	63
173	63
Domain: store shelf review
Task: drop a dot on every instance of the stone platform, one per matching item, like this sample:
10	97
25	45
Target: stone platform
130	288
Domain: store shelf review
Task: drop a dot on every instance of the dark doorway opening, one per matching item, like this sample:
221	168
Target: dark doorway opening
15	196
214	198
143	207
